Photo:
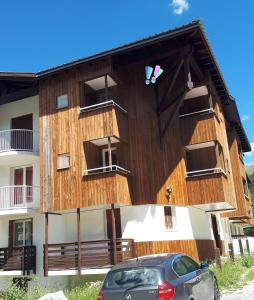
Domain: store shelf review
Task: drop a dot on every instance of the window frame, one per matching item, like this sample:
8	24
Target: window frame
62	107
23	221
63	155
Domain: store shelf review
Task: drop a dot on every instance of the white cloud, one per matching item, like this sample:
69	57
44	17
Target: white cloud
245	117
180	6
251	153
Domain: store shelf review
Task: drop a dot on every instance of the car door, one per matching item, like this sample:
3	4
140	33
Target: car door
187	284
203	289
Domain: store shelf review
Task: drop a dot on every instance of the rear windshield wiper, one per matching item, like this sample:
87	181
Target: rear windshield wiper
139	285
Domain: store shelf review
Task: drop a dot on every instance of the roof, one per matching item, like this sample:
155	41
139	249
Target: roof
145	261
208	62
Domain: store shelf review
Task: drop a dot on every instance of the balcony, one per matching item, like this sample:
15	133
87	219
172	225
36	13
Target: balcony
18	261
207	180
71	258
20	197
106	178
198	117
18	145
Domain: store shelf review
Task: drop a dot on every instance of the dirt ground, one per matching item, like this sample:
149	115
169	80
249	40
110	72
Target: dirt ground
246	293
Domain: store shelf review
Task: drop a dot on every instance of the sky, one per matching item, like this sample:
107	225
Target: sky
36	35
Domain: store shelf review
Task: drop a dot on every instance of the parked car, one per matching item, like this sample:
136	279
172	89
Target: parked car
160	277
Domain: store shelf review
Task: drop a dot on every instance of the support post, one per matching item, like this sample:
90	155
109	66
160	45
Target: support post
79	242
231	251
106	87
240	246
217	257
248	246
114	234
109	153
46	245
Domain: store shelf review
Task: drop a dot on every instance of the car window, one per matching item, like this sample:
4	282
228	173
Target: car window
127	278
190	264
179	267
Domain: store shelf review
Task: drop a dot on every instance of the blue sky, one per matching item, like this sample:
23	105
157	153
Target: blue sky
36	35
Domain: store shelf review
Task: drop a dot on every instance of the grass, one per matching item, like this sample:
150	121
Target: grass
236	274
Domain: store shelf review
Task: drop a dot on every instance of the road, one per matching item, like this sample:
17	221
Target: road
246	293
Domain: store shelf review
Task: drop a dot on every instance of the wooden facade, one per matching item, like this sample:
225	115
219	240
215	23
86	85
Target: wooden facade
147	126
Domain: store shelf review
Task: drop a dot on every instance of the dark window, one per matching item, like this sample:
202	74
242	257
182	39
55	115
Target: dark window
179	267
168	217
190	264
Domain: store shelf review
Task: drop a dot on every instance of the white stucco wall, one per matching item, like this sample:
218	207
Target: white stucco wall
19	108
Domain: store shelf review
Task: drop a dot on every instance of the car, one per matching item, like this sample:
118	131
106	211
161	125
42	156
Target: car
160	277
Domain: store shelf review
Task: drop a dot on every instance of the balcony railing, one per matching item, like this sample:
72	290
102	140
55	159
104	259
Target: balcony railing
106	169
92	254
18	259
19	196
205	172
19	140
102	105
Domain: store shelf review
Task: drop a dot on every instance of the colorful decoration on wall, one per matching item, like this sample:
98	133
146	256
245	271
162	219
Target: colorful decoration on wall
152	74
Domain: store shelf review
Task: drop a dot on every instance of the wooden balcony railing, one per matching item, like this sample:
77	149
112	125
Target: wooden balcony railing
19	140
19	196
92	254
18	259
107	169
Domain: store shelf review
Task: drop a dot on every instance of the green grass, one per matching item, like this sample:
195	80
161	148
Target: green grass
236	274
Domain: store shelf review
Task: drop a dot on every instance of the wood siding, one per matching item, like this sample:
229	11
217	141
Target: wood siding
239	173
198	249
156	163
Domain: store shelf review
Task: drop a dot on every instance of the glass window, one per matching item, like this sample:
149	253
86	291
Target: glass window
63	161
22	235
127	278
179	267
62	101
190	264
168	217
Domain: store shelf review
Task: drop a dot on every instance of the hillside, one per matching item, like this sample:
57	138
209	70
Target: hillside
250	170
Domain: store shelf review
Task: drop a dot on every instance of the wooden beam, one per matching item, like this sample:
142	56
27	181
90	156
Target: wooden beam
46	245
196	68
109	153
106	87
79	241
188	72
178	101
114	234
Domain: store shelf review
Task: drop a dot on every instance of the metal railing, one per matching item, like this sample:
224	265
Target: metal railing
106	169
102	105
19	196
205	172
19	140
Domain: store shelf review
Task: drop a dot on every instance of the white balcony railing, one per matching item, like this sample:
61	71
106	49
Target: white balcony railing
19	196
19	140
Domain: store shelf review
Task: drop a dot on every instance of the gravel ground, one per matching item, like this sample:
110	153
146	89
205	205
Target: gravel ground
246	293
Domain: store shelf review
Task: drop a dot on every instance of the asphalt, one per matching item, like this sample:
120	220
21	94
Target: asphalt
246	293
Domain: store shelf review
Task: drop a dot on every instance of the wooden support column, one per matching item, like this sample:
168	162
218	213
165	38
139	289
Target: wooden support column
109	153
46	245
106	88
217	257
240	246
217	152
114	234
248	246
231	251
79	241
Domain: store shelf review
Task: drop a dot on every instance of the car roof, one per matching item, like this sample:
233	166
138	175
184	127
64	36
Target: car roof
147	261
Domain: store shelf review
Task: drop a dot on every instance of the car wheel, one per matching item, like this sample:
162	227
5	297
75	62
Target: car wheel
216	291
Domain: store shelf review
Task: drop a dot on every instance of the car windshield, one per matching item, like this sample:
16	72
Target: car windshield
128	278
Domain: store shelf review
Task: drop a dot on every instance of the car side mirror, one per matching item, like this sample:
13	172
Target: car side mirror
204	265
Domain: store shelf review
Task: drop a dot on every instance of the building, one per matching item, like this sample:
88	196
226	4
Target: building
130	162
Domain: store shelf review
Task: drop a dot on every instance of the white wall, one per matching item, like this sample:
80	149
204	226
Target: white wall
147	223
19	108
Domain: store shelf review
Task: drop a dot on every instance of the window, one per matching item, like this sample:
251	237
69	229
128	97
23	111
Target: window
63	161
23	185
62	101
22	233
168	217
179	267
190	264
105	157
